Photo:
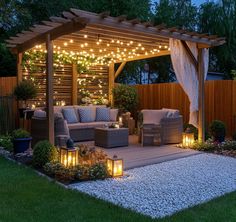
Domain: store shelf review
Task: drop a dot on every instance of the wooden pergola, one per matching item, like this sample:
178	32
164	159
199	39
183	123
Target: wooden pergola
114	38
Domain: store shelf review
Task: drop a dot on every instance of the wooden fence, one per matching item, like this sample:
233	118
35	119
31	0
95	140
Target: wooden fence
7	85
220	100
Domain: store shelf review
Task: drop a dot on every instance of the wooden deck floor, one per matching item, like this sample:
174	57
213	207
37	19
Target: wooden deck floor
137	156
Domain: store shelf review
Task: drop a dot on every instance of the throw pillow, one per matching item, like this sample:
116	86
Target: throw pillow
113	115
85	115
69	115
102	114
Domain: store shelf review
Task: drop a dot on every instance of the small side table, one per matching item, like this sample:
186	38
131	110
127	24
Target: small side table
151	135
131	126
111	137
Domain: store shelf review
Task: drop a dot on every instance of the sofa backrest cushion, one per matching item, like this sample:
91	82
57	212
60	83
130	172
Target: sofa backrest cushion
86	114
153	116
69	115
172	113
113	114
102	114
38	113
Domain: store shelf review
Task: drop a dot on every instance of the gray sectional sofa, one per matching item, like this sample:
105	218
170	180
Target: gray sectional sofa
79	128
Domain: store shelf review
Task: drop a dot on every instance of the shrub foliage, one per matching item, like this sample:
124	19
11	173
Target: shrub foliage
44	152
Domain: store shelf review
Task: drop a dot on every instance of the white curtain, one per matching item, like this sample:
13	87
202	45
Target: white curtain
186	73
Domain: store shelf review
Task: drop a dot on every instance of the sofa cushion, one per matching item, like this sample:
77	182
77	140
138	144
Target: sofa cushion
69	115
172	113
113	114
74	126
102	114
153	116
86	114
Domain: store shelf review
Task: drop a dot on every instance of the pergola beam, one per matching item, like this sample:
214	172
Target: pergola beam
190	55
201	97
119	70
65	28
49	88
111	82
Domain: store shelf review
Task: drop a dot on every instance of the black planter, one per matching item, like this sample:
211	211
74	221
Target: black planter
21	112
21	144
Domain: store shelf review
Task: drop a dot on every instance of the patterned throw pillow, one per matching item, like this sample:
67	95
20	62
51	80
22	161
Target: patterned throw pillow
102	114
69	115
85	115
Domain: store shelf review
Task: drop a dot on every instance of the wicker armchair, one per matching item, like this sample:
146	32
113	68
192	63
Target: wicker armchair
171	123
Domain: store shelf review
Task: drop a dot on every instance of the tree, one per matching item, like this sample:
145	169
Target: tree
220	19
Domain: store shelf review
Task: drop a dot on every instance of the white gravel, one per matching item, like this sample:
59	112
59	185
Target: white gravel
163	189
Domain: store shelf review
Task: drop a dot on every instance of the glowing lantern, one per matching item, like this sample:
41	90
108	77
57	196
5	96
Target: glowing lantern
68	157
188	138
115	166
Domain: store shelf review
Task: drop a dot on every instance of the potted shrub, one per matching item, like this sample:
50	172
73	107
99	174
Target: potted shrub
125	98
21	140
25	91
217	131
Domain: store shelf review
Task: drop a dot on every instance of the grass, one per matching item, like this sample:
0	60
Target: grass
25	196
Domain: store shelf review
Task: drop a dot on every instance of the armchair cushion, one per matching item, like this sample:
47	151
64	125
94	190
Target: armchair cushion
153	116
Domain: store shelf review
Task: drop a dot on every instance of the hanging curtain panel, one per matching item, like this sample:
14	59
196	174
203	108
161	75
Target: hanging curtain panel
187	74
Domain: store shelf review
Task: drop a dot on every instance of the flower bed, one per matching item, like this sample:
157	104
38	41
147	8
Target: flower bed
226	148
45	158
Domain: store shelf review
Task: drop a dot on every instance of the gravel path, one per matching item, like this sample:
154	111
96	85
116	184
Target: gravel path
163	189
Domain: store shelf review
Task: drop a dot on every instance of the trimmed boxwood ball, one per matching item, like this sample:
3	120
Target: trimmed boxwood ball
217	131
44	152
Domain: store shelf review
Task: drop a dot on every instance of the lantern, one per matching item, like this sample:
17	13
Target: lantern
188	138
115	166
120	121
68	157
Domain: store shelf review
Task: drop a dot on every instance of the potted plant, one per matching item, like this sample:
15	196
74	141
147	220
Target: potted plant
21	140
125	98
217	131
24	91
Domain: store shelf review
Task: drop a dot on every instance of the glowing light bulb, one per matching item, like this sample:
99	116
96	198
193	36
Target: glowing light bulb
65	43
71	41
85	36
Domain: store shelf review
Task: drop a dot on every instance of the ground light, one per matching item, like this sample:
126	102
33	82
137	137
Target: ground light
188	138
115	166
68	156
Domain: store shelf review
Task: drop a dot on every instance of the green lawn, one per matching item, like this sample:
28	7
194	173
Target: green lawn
25	196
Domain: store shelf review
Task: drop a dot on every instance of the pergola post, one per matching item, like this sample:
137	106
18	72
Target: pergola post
111	81
201	92
49	88
74	85
19	68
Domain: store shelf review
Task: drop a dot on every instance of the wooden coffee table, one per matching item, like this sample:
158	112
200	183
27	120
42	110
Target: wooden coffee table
111	137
